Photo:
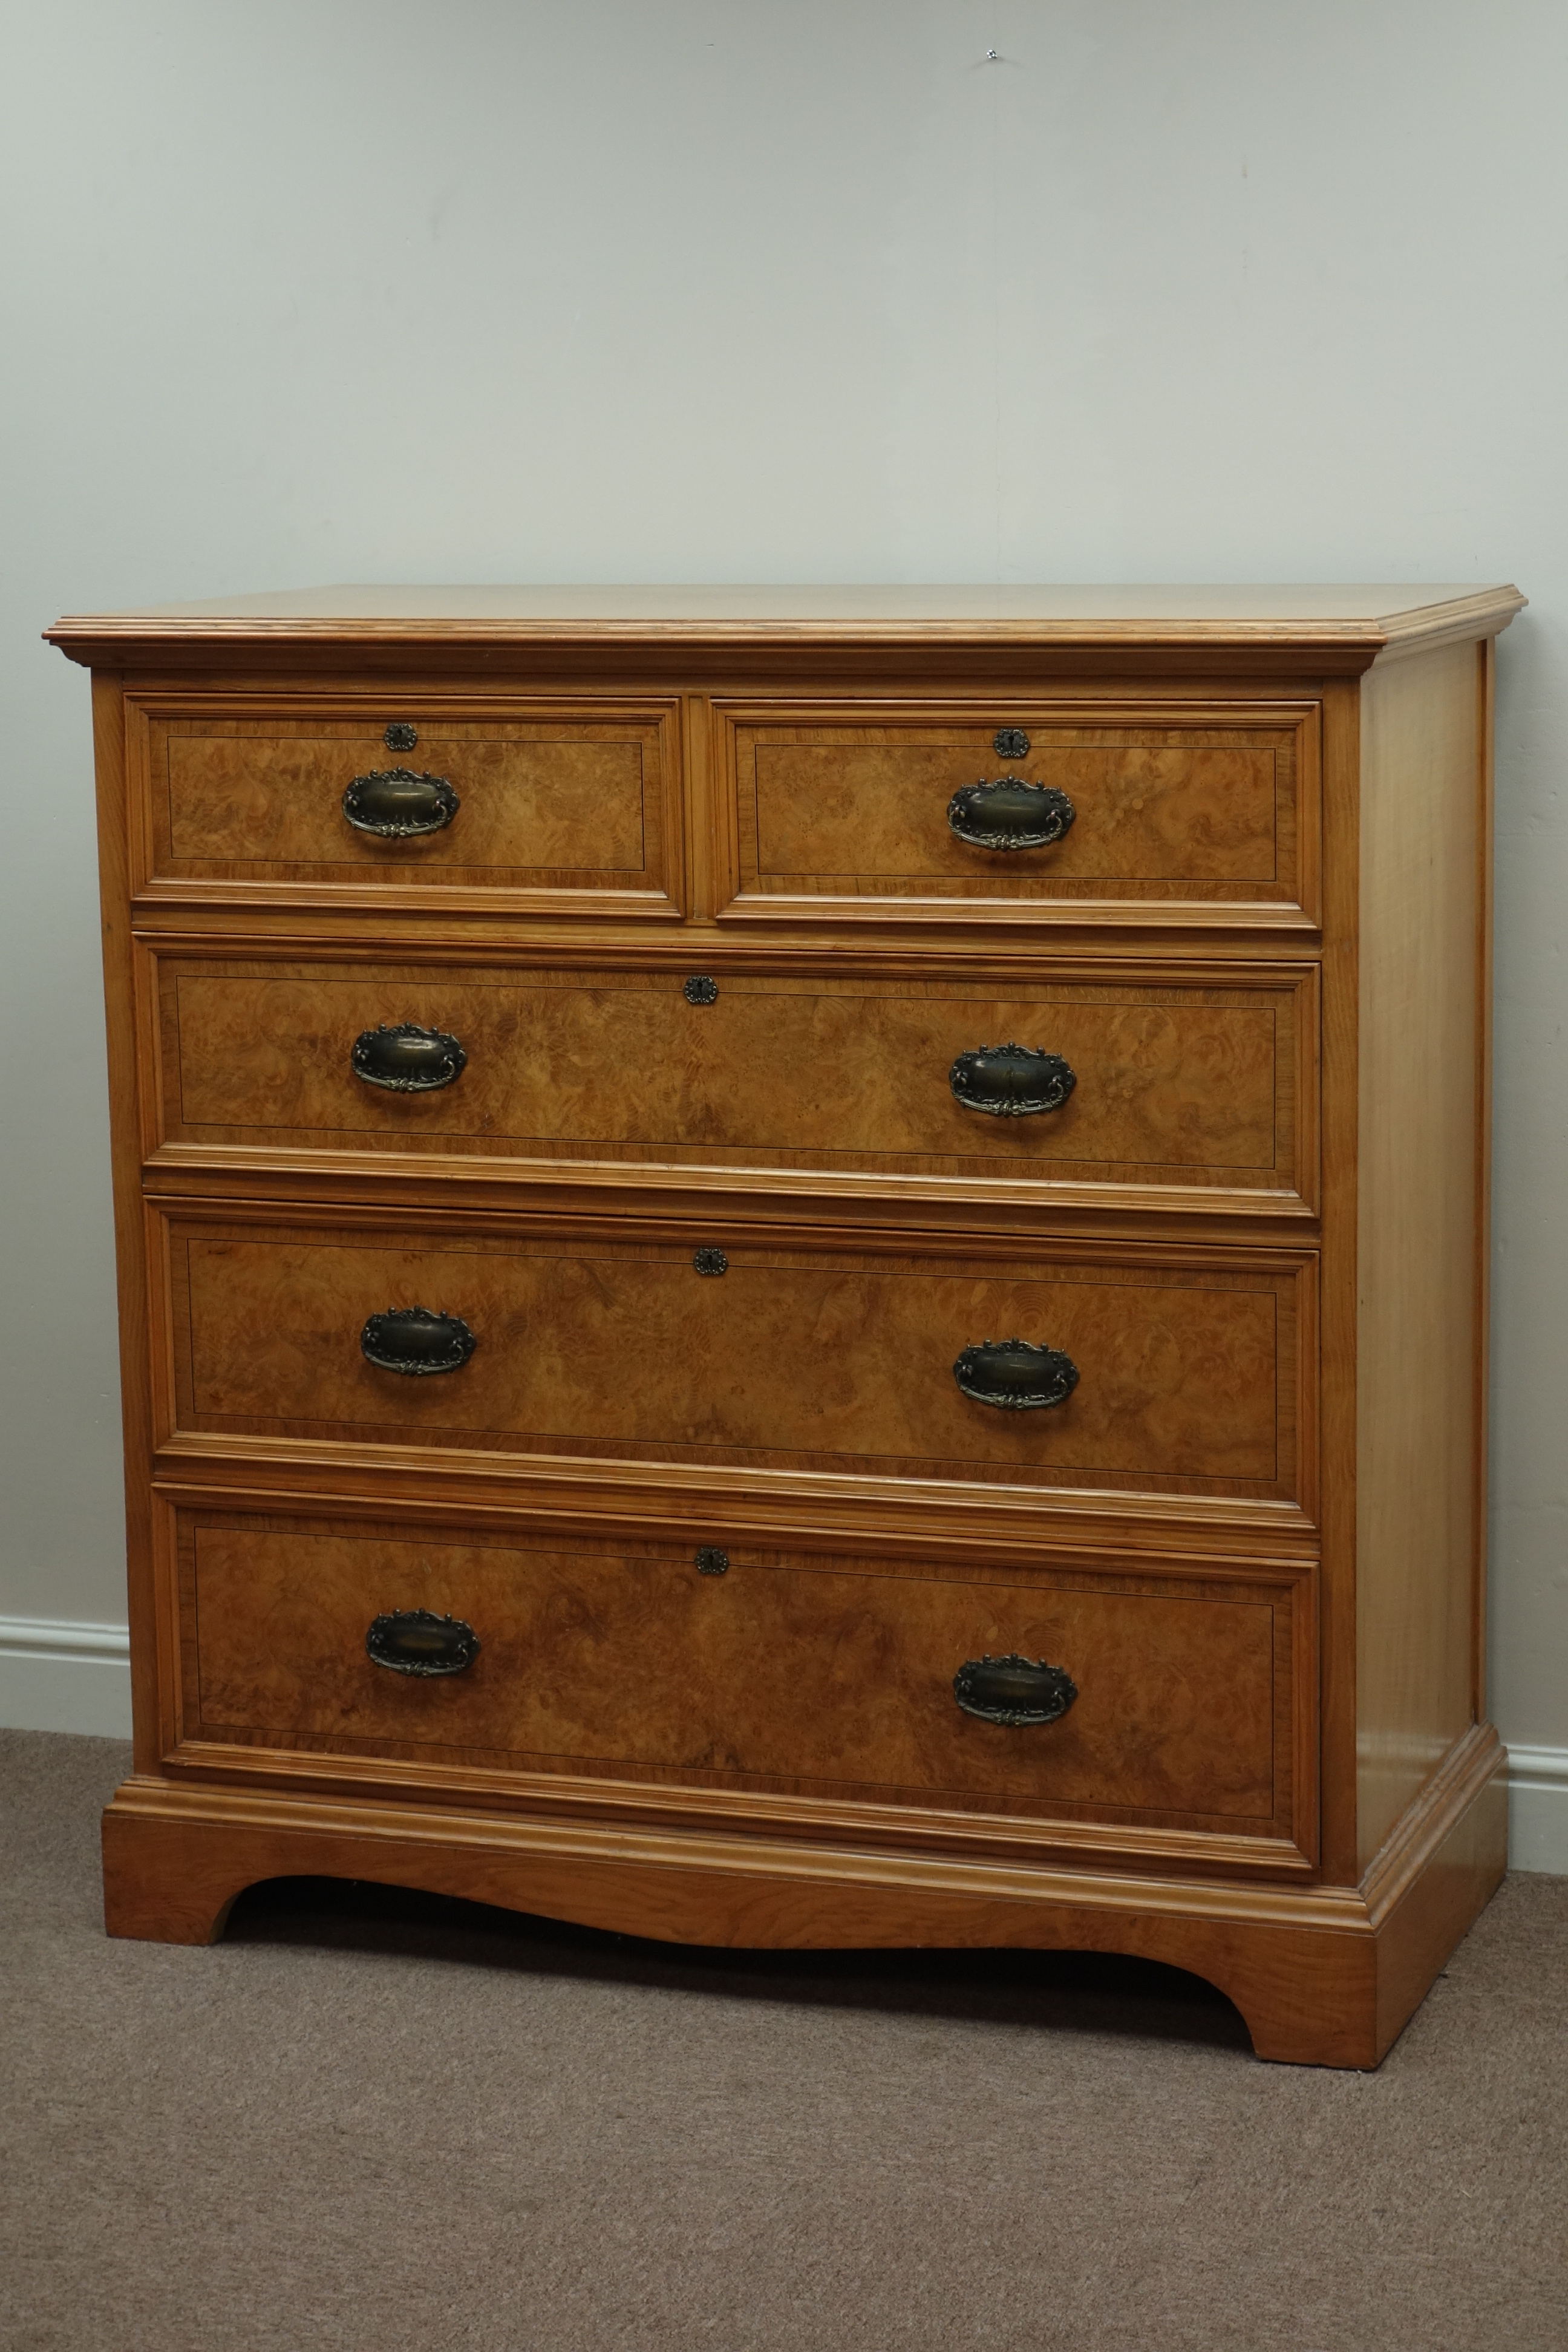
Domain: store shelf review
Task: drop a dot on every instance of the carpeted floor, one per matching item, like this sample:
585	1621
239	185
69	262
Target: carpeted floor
375	2123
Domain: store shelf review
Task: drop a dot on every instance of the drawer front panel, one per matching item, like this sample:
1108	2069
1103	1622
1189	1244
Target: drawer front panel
1179	1085
553	804
1187	1379
1170	814
785	1671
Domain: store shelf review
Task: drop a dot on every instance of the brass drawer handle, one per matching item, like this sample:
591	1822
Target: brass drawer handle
1011	1081
1013	1690
396	803
1015	1375
406	1059
417	1642
1009	814
412	1339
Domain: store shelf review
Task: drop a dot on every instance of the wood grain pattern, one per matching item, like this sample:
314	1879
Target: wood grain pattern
129	1027
1480	1423
365	623
800	1358
1218	1466
875	1512
786	1672
823	1811
1185	1086
1323	1976
1217	814
1421	1102
1339	1304
552	804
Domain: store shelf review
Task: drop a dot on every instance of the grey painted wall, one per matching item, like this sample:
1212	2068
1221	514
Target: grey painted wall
769	289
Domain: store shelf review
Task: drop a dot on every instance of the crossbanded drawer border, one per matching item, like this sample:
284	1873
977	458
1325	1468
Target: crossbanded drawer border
166	1219
185	1750
738	898
160	959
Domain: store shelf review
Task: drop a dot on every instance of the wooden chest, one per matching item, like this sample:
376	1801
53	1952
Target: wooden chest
808	1267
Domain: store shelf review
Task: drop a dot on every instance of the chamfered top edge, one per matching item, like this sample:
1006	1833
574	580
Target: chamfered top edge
1370	615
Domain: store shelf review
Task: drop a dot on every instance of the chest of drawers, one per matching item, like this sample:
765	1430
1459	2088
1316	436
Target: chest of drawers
808	1267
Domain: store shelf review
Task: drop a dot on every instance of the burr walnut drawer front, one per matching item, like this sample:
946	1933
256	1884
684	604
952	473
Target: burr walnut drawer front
1171	1703
1109	1369
1091	1079
578	808
1140	814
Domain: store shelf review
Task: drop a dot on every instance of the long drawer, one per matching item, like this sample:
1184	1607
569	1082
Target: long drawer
1208	1089
1173	1701
574	808
1116	1370
1091	811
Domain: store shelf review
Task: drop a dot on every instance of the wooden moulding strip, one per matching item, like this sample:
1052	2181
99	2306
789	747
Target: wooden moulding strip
1033	918
1028	1840
839	1867
609	1190
1323	1975
705	1853
1461	1778
578	1211
843	1507
355	623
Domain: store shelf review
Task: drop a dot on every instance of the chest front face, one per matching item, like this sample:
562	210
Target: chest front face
890	1121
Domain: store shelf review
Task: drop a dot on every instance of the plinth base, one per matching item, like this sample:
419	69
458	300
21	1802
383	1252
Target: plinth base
1323	1976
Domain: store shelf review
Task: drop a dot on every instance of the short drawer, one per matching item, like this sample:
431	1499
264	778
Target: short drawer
1090	814
1204	1089
570	808
1168	1702
1130	1372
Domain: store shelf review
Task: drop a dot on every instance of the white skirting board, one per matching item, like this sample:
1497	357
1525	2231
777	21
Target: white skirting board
65	1677
72	1678
1538	1810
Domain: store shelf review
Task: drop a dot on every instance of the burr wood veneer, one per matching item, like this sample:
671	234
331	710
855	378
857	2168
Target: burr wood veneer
1208	1088
787	1360
808	1267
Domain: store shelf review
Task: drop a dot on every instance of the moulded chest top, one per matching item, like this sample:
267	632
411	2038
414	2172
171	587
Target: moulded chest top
1367	617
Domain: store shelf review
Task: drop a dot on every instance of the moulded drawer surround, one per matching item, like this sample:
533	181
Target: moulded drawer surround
554	809
1173	814
804	1675
1189	1377
1208	1087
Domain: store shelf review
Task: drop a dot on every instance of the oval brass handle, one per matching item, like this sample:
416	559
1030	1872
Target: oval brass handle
417	1642
1011	1081
1009	814
396	803
1013	1690
412	1339
406	1059
1015	1375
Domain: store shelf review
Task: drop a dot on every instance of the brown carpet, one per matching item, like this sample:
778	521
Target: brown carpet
379	2122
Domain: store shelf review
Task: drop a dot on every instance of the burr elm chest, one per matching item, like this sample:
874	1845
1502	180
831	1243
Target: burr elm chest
807	1267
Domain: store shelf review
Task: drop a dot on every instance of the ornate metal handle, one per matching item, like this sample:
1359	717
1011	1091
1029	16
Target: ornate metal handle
417	1642
412	1339
1013	1690
1011	1081
406	1059
1015	1375
396	803
1009	814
